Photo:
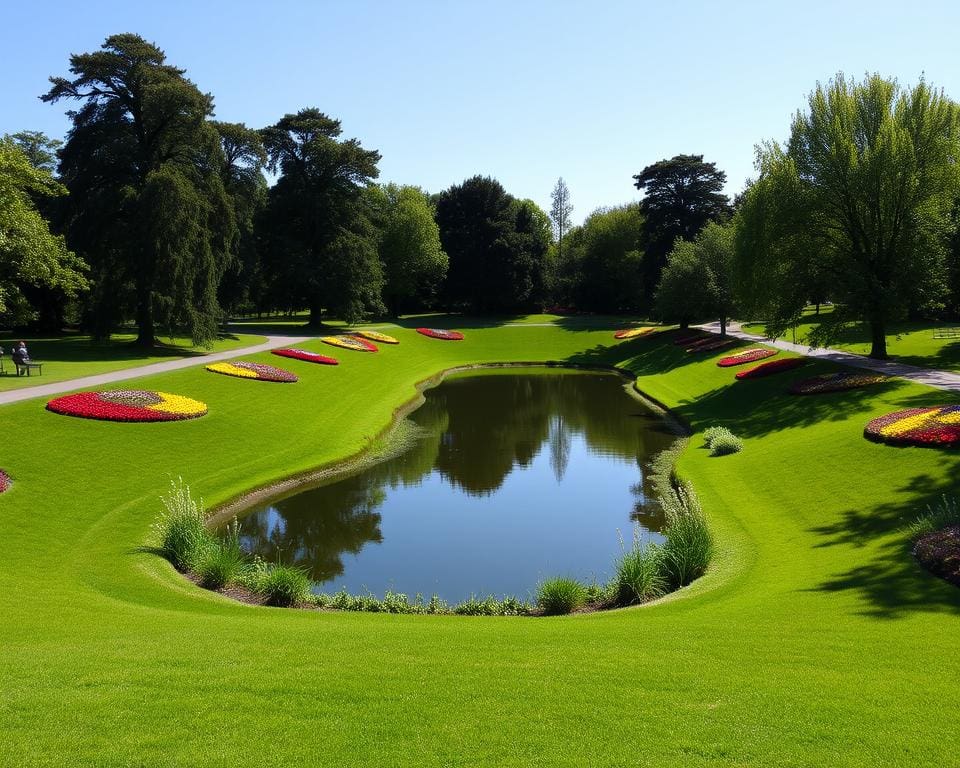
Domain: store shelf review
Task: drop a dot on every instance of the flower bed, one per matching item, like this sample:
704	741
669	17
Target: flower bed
257	371
939	425
439	333
634	333
711	344
5	481
128	405
835	382
302	354
686	339
747	356
377	336
774	366
349	342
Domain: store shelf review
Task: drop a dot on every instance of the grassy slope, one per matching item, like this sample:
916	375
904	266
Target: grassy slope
907	342
815	640
70	357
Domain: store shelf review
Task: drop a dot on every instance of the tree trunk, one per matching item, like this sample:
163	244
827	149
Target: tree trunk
146	336
878	336
723	327
316	314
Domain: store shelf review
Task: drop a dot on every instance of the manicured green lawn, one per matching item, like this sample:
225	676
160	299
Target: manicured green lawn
815	639
70	357
907	342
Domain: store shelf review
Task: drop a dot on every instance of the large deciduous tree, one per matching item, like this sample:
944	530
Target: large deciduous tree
860	199
30	256
323	246
150	211
681	195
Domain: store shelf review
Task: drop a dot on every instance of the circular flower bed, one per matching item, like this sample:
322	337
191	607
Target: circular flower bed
774	366
302	354
128	405
5	481
711	344
349	342
939	425
633	333
747	356
377	336
439	333
835	382
257	371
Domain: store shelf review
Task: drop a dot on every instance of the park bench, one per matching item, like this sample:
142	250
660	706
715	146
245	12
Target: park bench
946	333
26	368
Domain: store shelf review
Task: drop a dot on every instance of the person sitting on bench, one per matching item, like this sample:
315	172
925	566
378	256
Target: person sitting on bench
20	356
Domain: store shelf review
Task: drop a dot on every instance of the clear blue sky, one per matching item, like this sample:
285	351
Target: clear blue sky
522	91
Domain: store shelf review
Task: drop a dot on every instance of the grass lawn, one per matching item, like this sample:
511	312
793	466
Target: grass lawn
814	640
907	342
70	357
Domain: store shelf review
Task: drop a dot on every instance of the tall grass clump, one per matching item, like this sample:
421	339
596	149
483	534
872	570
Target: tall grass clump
560	595
945	513
223	560
181	530
283	585
689	546
721	441
639	574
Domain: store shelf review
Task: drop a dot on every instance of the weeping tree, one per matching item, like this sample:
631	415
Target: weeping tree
150	212
860	200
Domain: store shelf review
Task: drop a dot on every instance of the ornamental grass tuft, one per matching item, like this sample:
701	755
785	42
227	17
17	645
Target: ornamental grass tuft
943	514
283	585
639	575
560	595
721	441
689	544
223	561
181	531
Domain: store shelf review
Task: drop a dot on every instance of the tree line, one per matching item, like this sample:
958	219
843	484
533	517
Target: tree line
152	211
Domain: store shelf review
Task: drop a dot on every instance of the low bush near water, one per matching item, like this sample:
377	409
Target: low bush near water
181	531
283	585
688	548
222	561
560	595
639	575
721	441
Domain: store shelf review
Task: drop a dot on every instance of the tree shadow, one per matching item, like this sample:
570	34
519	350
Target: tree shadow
892	583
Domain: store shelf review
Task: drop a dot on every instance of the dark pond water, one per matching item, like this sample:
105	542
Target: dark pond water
515	477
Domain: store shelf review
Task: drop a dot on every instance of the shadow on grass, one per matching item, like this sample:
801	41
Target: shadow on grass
892	584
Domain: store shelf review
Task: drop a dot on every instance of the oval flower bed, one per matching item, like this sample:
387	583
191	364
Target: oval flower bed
747	356
687	339
634	333
939	425
774	366
835	382
439	333
377	336
257	371
5	481
128	405
349	342
309	357
710	345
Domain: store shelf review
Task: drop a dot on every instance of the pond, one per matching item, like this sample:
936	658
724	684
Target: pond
514	476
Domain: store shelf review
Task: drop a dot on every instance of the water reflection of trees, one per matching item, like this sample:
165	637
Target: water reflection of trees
473	431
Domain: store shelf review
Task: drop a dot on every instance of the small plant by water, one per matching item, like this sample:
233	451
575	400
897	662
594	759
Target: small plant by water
721	441
222	561
639	573
283	585
181	530
688	548
560	595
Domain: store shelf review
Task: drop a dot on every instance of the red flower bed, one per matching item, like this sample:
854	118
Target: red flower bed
747	356
302	354
711	344
5	481
686	339
438	333
835	382
128	405
774	366
936	426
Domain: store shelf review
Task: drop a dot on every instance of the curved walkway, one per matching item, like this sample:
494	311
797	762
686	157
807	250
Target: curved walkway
98	380
928	376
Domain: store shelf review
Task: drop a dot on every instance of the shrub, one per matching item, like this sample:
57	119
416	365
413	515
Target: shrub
560	595
284	585
943	514
223	561
639	573
721	441
181	530
689	544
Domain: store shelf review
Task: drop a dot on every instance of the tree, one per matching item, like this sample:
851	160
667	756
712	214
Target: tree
39	148
698	280
560	212
496	244
143	166
322	243
29	254
414	263
680	196
861	199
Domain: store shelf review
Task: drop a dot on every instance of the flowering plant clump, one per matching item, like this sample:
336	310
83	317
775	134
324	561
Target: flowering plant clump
939	425
439	333
835	382
257	371
633	333
377	336
772	367
128	405
747	356
349	342
5	481
302	354
710	344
